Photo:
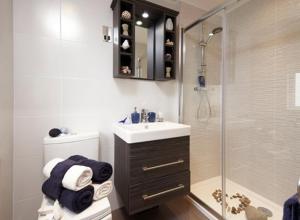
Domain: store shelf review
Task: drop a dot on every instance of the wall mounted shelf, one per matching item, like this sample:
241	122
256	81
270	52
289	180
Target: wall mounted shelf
161	42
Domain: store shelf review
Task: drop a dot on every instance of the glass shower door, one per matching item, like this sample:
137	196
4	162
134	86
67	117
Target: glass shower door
202	108
241	95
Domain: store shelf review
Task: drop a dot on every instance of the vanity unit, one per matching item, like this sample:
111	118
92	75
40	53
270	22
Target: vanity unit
151	163
144	40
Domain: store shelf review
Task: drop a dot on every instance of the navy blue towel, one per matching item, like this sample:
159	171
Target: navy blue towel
291	210
101	171
53	187
77	201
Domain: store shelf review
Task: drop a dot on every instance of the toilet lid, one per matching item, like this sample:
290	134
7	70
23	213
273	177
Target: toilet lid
98	210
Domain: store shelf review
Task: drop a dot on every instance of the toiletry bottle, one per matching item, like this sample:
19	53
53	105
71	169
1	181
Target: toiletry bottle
135	116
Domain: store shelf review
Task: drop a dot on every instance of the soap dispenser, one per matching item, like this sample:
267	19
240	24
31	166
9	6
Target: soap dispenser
135	116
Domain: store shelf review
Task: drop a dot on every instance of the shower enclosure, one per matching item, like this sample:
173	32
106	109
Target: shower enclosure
241	95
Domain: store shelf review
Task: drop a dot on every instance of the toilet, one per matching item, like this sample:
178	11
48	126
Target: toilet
87	145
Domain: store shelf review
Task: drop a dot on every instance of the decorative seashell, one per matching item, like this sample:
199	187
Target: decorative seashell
169	42
125	29
125	45
126	15
125	70
169	24
168	72
168	56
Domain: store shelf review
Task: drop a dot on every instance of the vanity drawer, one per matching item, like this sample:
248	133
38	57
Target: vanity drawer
155	159
156	192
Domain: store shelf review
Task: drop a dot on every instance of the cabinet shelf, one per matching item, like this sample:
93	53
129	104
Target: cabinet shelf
126	54
171	32
126	36
126	20
169	61
169	46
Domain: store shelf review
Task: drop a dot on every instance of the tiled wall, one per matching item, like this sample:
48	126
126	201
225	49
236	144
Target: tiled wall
262	121
63	77
6	109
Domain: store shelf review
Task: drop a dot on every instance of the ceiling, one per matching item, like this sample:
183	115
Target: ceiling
203	4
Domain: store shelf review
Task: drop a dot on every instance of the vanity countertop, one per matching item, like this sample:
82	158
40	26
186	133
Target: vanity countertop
142	132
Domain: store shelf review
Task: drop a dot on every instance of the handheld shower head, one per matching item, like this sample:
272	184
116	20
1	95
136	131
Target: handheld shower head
217	30
213	32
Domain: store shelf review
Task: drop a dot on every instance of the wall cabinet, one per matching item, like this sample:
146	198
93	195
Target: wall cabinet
144	40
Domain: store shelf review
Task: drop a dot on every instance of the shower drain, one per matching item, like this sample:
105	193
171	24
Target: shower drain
266	211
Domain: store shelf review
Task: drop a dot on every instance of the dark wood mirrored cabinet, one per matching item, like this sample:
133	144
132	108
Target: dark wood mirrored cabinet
144	40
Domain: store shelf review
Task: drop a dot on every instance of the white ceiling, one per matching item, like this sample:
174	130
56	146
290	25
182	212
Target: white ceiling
204	4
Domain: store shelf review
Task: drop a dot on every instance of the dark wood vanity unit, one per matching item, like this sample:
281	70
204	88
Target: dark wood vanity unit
148	174
151	54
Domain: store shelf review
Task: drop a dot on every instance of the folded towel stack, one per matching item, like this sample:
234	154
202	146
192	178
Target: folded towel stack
73	184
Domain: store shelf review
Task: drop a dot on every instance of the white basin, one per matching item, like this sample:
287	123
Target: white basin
134	133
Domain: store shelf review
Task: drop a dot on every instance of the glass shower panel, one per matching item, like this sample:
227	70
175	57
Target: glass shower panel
202	107
262	115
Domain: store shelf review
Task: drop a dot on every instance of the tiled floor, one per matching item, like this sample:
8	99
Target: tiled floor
204	189
178	209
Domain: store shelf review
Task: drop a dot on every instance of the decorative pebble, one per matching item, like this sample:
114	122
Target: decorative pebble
244	201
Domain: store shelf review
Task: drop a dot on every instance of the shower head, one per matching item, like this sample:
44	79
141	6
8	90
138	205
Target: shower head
213	32
217	30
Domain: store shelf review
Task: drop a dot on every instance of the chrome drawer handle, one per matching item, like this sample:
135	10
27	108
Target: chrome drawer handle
163	165
146	197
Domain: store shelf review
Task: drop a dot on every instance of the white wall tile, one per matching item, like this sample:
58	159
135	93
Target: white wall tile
80	97
26	209
83	23
36	56
37	17
27	177
86	60
29	133
37	96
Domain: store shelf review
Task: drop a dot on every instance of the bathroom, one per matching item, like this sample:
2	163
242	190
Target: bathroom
238	88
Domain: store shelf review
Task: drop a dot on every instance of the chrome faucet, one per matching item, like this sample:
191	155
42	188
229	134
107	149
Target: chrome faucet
144	116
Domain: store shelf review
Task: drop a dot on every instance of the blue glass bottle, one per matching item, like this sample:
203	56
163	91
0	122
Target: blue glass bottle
135	117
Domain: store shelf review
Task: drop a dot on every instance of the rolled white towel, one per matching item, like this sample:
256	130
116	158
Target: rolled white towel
102	190
50	165
76	178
